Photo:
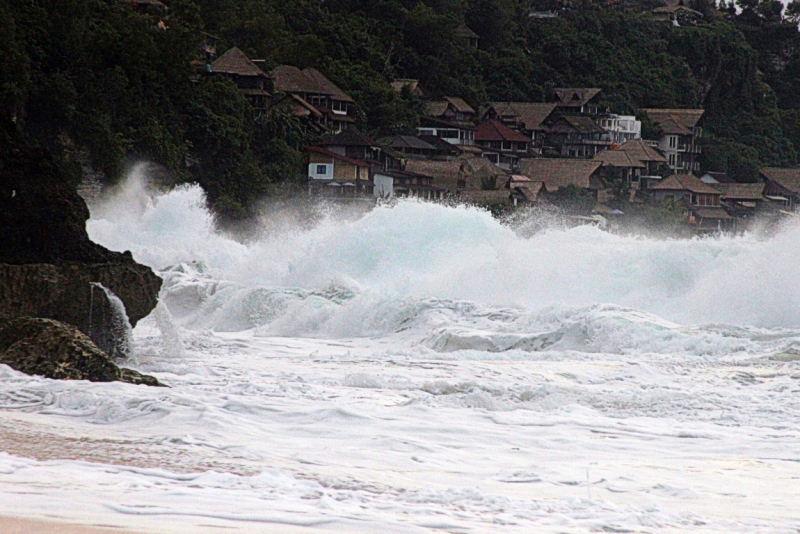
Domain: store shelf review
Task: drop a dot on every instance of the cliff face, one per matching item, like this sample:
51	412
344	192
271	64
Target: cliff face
47	261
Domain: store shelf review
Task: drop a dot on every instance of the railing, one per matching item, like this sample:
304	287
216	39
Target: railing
691	148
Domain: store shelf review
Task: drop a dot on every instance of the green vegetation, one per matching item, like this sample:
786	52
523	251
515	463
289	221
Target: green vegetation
100	76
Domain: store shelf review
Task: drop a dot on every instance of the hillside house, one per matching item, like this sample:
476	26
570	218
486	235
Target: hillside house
702	201
556	173
413	86
354	144
742	201
782	186
400	183
680	139
502	145
522	189
310	117
335	106
463	173
247	76
678	15
467	35
451	119
455	133
410	146
575	136
337	176
639	163
622	128
577	101
528	118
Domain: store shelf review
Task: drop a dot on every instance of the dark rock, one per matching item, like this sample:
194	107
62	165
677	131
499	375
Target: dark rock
47	261
56	350
64	292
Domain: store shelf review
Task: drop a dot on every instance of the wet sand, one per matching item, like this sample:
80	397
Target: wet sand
16	525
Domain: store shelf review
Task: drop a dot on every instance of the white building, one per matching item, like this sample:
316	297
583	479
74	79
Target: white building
621	127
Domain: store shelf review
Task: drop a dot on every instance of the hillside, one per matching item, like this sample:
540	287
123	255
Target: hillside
116	78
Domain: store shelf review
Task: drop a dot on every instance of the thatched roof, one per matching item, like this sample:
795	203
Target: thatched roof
531	114
293	80
731	191
685	182
413	86
619	158
235	62
351	137
446	174
557	173
787	178
575	97
675	121
642	151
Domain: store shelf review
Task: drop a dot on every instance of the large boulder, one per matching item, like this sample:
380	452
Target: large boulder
65	292
52	349
48	265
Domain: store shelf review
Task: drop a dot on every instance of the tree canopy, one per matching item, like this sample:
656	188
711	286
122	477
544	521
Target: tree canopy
105	77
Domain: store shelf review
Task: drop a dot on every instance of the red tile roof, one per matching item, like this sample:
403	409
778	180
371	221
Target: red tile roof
495	130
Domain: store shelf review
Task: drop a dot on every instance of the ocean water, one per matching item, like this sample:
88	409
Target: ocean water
423	368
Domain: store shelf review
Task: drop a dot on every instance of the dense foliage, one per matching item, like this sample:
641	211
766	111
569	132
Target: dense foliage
100	76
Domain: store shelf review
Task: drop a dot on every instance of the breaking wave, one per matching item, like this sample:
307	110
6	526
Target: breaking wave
383	271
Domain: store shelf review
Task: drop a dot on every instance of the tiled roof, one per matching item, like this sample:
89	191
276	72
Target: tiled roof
712	213
641	151
235	62
569	123
440	144
293	80
575	97
351	137
439	107
495	130
688	118
754	191
460	104
685	182
787	178
556	172
619	158
532	114
407	141
334	155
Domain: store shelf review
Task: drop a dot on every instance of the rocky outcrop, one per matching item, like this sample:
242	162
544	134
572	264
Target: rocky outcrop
56	350
64	292
47	261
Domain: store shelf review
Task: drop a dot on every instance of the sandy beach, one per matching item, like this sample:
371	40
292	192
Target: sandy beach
17	525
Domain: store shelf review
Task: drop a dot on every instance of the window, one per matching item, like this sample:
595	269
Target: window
672	160
339	107
506	145
673	141
322	169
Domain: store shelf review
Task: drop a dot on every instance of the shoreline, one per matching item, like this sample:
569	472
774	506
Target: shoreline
26	525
